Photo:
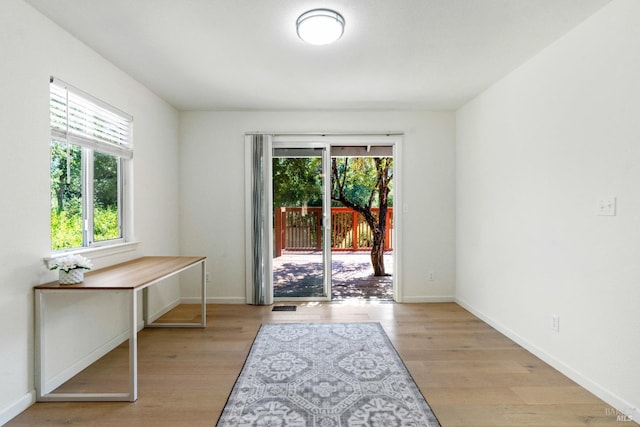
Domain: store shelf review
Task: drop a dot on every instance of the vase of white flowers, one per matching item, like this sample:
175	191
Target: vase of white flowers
71	268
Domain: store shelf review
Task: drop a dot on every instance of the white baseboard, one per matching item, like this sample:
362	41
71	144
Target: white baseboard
428	299
242	300
68	373
13	410
154	316
621	406
214	300
29	399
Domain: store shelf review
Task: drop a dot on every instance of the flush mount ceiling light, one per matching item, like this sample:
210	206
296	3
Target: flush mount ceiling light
320	26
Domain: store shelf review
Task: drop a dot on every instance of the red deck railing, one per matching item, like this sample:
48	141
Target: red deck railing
300	229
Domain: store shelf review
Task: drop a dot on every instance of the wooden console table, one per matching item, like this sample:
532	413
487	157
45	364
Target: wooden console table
130	277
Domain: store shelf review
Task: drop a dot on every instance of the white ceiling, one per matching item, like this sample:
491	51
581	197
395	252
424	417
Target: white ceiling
245	54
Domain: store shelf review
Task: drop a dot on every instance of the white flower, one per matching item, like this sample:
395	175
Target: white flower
70	262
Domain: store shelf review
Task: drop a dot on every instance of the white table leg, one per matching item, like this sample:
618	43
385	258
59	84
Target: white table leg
133	347
204	294
39	345
44	395
203	303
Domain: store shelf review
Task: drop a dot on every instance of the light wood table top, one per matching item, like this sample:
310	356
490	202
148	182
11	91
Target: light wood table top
131	274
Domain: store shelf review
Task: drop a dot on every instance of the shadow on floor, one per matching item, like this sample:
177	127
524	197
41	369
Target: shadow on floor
300	275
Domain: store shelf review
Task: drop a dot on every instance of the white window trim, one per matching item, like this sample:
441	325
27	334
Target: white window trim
125	153
98	252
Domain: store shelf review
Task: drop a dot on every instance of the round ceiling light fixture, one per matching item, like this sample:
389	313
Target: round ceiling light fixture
320	26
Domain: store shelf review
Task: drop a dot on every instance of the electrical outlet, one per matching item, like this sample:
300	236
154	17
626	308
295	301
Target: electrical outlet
607	206
555	323
207	277
431	276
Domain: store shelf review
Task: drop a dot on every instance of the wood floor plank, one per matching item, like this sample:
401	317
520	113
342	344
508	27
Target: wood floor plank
470	374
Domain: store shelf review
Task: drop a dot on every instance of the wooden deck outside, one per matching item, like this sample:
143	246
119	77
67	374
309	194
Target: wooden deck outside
299	274
300	229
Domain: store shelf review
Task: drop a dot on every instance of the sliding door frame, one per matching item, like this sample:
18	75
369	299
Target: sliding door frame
328	140
326	218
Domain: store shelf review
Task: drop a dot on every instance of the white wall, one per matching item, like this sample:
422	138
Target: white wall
534	154
32	49
212	192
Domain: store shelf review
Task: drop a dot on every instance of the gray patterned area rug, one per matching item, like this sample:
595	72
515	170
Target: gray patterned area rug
325	375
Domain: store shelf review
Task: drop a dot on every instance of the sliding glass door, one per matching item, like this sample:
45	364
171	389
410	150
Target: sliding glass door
301	264
309	195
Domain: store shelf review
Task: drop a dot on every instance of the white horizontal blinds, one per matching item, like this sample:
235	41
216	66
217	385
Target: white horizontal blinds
81	119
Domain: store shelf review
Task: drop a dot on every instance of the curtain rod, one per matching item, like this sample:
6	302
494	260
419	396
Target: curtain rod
394	133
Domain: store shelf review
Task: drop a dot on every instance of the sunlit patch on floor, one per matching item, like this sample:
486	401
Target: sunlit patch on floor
300	275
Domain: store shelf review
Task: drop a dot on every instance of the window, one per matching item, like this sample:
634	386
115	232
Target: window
91	142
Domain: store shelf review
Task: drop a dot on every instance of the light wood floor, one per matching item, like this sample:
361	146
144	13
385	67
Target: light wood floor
469	373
